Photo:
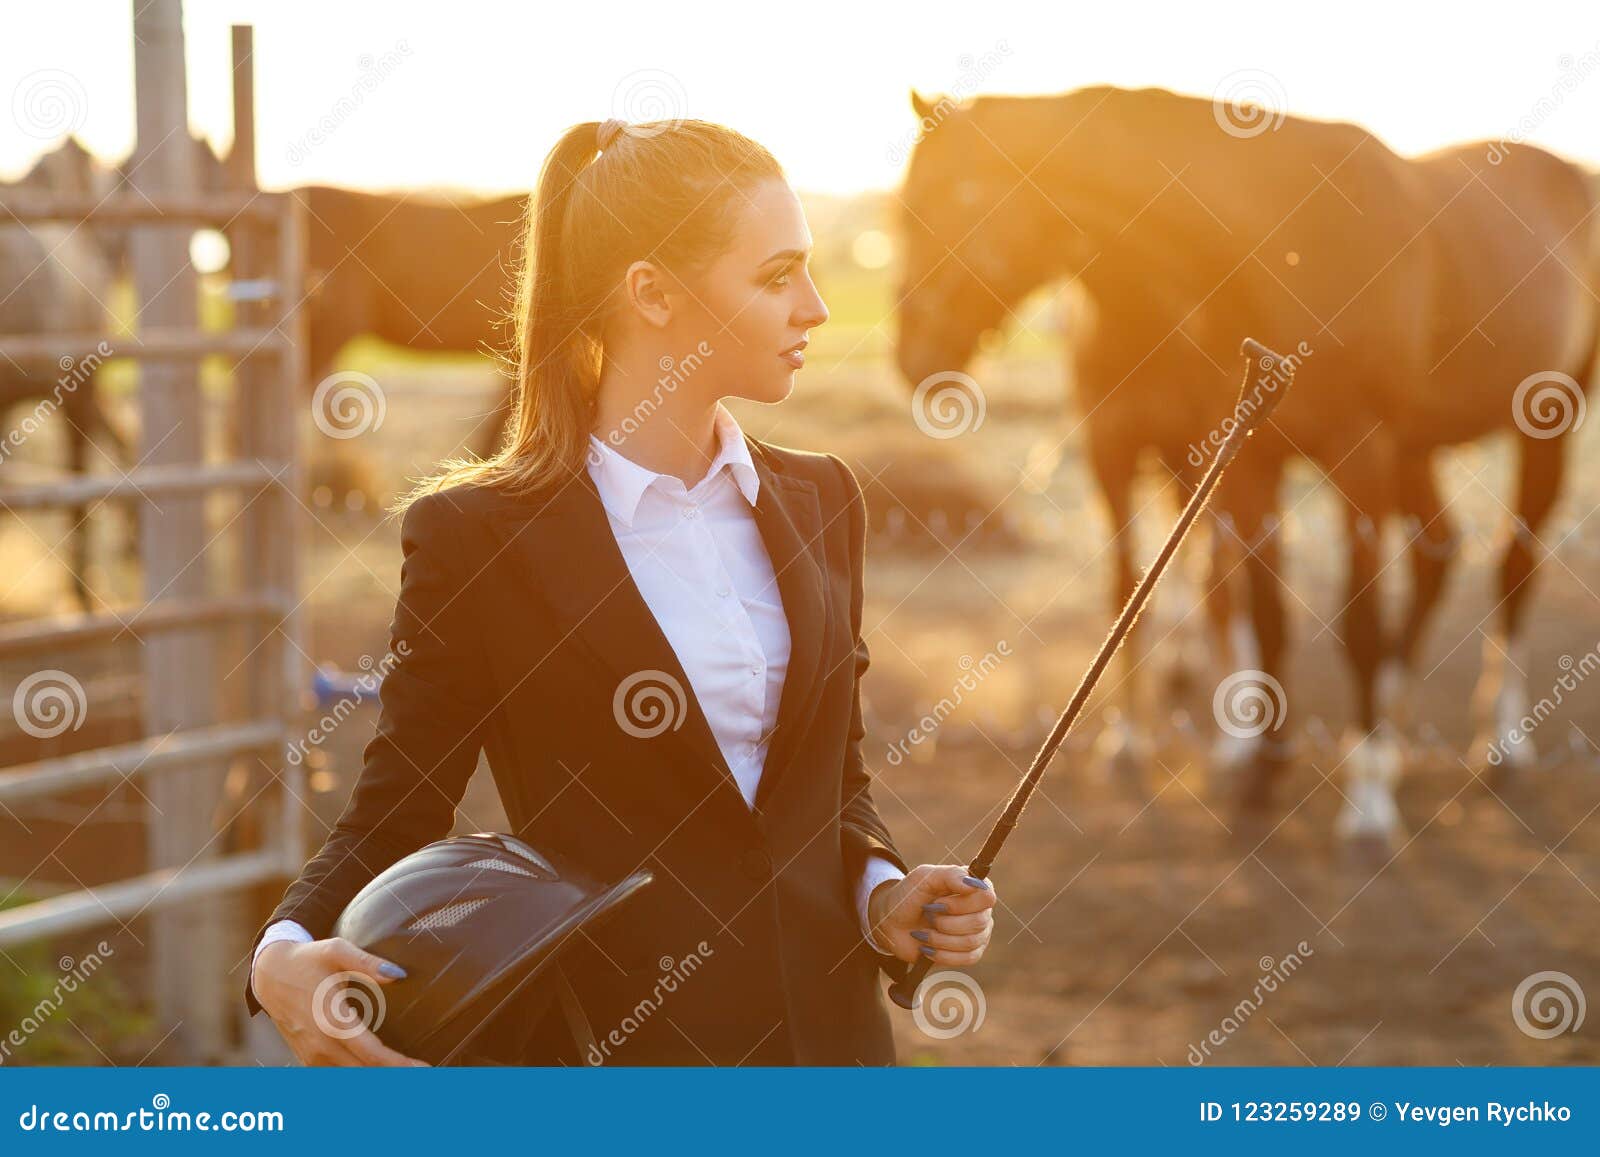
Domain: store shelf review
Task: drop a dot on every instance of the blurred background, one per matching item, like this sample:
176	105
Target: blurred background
253	259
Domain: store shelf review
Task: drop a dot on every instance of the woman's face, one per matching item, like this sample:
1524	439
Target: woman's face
756	302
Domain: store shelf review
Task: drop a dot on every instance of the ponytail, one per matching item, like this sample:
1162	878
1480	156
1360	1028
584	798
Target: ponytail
665	191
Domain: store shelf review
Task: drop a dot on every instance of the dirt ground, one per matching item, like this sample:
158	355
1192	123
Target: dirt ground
1138	910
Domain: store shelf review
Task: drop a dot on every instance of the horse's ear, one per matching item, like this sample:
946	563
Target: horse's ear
921	105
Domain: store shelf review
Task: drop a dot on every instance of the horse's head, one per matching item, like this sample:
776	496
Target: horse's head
977	235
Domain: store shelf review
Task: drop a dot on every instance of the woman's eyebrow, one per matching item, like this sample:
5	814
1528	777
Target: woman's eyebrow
786	255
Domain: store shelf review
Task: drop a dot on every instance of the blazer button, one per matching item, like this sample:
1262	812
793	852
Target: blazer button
756	864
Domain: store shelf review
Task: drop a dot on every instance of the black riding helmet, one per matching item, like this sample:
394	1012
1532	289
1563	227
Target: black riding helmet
473	920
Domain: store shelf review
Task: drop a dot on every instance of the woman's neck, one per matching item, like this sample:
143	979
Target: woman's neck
655	421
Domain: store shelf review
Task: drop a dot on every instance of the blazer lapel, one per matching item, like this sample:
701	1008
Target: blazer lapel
790	518
565	540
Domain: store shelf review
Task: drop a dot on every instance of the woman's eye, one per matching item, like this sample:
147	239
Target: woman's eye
779	281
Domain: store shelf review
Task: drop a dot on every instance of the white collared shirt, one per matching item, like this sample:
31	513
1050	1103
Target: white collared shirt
697	557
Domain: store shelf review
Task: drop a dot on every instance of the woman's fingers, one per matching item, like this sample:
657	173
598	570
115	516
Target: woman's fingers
937	881
347	956
954	957
961	925
960	903
964	942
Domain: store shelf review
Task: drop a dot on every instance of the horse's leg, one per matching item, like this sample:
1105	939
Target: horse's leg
1372	751
1125	743
1250	704
1501	699
1198	608
1432	542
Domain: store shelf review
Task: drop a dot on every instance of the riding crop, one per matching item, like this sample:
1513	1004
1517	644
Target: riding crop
1248	415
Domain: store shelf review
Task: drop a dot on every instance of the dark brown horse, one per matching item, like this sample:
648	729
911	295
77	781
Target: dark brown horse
425	272
1431	300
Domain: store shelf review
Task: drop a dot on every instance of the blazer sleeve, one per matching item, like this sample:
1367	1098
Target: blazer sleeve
862	830
434	704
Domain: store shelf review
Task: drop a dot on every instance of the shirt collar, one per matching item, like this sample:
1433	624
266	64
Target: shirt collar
622	482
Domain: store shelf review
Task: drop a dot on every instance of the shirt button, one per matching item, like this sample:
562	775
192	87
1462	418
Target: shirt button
756	670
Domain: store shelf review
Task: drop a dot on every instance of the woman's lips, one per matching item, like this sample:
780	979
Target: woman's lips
795	355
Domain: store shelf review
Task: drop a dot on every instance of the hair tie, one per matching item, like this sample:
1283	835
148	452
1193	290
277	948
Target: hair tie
607	132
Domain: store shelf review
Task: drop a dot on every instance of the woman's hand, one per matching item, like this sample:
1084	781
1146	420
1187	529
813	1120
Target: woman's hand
299	986
937	911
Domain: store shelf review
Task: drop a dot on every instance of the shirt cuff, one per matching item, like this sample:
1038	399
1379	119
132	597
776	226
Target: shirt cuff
282	930
878	870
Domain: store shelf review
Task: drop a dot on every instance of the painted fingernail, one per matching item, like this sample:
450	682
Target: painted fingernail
392	971
926	951
919	934
974	882
934	909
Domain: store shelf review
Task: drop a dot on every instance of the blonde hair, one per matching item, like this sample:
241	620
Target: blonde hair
664	191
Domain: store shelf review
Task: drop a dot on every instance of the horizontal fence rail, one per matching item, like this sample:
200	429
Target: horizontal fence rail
141	758
17	639
149	343
133	897
145	483
26	205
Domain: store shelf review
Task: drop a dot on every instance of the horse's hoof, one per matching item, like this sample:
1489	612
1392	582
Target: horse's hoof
1369	820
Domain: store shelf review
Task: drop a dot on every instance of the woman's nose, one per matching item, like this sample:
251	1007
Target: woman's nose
813	312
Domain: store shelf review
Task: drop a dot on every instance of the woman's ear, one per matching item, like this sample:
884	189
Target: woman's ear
645	287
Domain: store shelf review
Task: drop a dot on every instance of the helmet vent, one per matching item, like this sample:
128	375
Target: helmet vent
502	866
449	915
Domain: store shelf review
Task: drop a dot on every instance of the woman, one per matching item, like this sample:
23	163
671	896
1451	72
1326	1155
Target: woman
652	623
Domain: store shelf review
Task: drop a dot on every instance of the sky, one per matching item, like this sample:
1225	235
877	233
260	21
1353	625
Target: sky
470	94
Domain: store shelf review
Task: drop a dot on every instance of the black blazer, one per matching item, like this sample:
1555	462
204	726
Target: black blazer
521	620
